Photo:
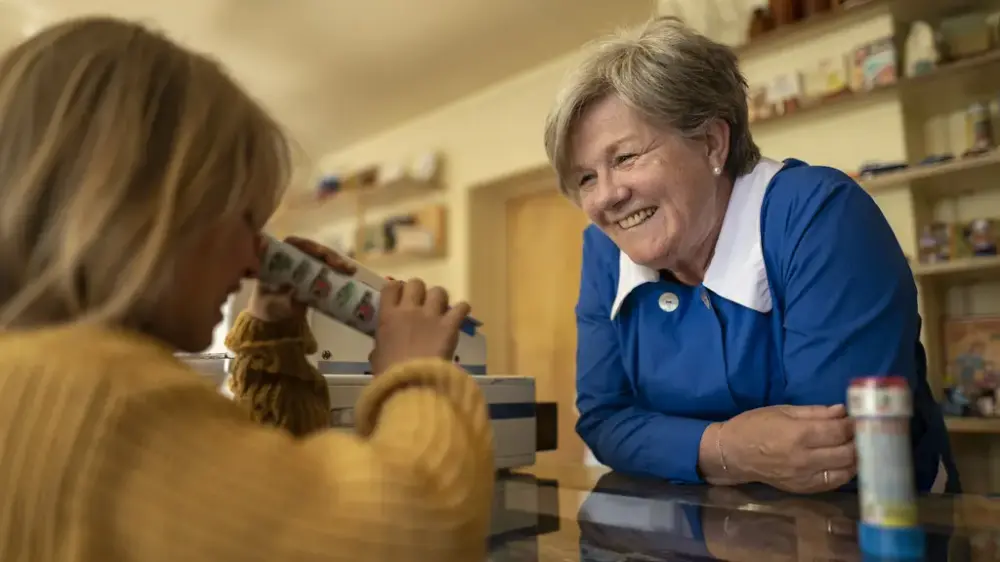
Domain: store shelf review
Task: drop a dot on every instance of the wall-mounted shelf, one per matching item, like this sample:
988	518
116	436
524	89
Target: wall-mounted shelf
933	87
960	271
947	87
307	209
785	35
839	102
854	11
382	261
989	426
924	178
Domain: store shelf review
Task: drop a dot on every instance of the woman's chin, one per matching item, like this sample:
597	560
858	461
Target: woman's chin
646	255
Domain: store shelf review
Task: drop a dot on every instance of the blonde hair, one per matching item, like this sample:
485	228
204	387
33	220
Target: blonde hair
671	75
115	145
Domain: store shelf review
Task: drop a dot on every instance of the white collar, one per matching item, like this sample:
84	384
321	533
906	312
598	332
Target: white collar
736	272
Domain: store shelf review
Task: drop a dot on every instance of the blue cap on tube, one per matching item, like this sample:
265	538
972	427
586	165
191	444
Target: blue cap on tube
903	544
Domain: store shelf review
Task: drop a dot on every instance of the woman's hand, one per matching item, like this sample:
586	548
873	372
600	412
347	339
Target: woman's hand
277	304
800	449
413	323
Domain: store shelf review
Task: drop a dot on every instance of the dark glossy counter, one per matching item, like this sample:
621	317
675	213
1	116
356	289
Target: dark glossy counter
562	513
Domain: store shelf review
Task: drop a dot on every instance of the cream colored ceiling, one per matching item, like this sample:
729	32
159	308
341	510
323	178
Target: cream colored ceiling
336	71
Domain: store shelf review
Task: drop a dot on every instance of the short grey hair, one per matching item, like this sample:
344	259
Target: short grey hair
671	75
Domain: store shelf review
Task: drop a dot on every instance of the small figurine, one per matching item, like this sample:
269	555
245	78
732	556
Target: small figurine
986	405
880	65
761	23
955	402
980	128
922	54
759	104
981	237
936	243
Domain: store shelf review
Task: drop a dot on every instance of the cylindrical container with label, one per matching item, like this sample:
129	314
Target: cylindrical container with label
345	298
889	527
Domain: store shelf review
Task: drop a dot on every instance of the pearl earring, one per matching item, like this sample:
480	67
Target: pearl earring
716	170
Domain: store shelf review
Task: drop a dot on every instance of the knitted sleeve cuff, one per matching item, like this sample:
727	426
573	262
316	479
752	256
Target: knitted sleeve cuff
277	348
248	332
444	377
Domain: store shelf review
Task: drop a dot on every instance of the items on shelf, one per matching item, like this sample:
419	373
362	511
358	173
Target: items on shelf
870	66
781	13
967	34
865	68
979	124
972	374
921	51
982	119
417	234
941	241
873	65
959	36
423	169
871	169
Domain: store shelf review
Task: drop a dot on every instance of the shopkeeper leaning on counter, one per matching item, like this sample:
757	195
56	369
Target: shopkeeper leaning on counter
726	300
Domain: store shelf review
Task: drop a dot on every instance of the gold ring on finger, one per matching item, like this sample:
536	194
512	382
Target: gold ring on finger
826	477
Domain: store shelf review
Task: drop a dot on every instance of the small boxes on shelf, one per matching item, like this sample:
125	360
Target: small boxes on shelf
419	234
941	242
972	377
874	65
980	237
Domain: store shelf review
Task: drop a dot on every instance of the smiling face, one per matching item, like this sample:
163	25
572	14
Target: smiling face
655	193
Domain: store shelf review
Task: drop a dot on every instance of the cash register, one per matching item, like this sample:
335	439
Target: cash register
521	425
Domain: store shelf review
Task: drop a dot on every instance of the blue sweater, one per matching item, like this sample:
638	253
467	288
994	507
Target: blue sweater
810	289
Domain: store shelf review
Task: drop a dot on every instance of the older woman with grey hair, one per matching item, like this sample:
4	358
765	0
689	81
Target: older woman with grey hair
726	300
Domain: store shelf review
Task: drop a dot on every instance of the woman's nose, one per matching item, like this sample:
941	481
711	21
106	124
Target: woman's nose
611	193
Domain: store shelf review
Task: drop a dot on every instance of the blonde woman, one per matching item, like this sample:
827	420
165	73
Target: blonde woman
136	177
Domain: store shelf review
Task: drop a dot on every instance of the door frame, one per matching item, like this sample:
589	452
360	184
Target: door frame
488	291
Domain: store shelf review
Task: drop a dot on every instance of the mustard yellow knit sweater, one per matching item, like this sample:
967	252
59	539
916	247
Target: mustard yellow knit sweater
112	450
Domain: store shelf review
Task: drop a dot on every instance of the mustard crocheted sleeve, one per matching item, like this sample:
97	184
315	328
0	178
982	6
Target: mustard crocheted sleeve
177	475
272	378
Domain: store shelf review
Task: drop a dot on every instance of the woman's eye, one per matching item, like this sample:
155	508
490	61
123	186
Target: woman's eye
586	179
624	159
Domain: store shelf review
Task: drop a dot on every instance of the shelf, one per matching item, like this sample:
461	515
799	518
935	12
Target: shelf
379	261
307	209
844	101
816	25
952	86
923	177
972	425
962	270
951	81
903	12
380	195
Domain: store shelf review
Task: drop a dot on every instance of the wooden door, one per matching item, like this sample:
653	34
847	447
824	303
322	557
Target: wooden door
544	241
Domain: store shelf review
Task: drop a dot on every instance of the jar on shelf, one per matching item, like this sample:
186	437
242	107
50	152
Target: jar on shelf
814	7
785	12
